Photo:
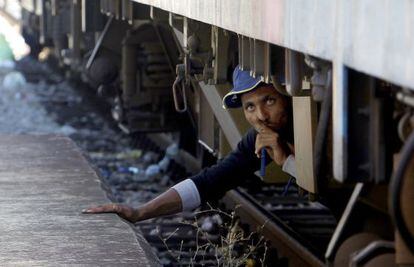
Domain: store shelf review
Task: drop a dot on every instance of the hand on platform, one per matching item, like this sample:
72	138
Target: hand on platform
124	211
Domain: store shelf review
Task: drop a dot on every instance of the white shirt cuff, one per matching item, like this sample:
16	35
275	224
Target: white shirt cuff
188	192
289	166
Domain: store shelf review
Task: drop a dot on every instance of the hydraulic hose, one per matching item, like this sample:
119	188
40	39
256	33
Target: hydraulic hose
396	186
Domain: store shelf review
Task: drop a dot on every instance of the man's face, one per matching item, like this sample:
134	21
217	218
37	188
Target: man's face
265	106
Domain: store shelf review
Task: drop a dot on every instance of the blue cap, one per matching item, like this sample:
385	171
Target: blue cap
242	83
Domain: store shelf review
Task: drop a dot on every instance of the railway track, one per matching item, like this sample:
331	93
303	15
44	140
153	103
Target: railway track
132	168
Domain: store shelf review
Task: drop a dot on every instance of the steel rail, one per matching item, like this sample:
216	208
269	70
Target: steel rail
286	245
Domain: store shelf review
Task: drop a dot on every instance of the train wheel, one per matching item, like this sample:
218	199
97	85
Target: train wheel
351	245
384	260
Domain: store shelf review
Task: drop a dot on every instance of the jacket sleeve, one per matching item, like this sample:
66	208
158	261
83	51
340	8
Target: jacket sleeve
213	182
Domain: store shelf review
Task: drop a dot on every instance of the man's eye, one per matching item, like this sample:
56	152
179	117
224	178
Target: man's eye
249	107
270	101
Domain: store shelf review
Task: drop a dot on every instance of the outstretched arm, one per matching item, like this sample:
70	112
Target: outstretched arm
209	184
167	203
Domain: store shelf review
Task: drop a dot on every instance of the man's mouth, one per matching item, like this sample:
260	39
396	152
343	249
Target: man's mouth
272	126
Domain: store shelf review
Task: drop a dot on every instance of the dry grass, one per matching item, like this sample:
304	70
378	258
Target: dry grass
234	247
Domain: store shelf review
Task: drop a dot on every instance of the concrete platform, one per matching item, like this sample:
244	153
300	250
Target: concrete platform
45	182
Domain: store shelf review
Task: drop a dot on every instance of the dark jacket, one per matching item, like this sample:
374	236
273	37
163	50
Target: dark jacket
213	182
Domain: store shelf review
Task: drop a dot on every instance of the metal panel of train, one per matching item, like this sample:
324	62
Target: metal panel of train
348	67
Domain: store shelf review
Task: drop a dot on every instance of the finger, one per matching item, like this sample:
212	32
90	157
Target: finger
268	134
268	138
263	141
260	129
258	146
101	209
93	210
266	129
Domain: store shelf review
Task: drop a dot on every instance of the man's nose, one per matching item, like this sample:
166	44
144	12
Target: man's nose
262	114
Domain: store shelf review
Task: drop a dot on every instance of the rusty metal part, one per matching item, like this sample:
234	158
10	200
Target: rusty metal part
169	45
404	253
220	46
351	245
405	126
402	194
298	254
371	251
129	68
383	260
147	54
294	62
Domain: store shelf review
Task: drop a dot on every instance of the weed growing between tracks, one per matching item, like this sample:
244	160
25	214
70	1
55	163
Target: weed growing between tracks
232	246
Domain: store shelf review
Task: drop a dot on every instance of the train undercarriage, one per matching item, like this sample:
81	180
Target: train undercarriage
164	67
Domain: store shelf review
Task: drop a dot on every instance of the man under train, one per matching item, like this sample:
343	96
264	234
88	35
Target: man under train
270	115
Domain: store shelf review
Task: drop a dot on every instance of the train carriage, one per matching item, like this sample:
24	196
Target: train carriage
347	66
